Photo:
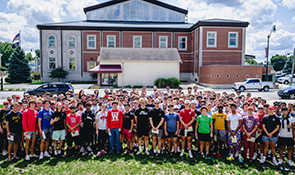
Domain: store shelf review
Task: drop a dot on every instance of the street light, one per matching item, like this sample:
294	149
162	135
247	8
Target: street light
273	30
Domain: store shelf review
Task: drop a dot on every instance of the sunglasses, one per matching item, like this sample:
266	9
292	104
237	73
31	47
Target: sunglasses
157	103
5	104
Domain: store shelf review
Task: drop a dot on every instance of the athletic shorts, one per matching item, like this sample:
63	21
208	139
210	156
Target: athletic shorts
220	134
126	134
285	141
157	135
16	138
268	139
59	135
143	132
71	139
204	137
172	134
259	139
189	134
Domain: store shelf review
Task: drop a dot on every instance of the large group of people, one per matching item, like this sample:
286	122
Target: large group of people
165	122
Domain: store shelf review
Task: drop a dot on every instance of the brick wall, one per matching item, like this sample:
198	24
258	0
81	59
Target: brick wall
147	38
104	38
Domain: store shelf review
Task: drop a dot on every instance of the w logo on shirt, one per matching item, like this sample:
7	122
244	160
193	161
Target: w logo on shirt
115	116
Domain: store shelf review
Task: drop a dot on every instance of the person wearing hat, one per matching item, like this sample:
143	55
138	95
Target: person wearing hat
219	121
249	125
286	136
259	115
114	124
73	121
270	125
3	132
186	118
204	131
87	130
94	106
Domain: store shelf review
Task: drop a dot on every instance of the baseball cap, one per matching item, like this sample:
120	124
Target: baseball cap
260	106
5	102
54	96
220	105
58	104
114	102
73	107
194	102
187	102
271	107
250	100
250	108
17	96
204	107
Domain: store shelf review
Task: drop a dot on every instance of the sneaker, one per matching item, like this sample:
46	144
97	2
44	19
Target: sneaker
84	153
89	149
254	156
236	155
181	154
280	161
208	156
103	151
9	159
82	150
240	160
230	158
27	157
41	156
4	153
274	161
139	152
218	155
214	154
263	159
99	153
190	155
46	154
290	163
147	152
16	158
33	156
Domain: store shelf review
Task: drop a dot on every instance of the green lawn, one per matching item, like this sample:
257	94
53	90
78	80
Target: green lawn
125	164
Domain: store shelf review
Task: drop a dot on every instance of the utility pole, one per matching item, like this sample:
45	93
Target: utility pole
292	71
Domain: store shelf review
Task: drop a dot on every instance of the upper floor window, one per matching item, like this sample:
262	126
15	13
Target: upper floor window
163	42
211	39
111	41
137	41
72	63
233	39
158	14
91	41
51	41
182	43
72	41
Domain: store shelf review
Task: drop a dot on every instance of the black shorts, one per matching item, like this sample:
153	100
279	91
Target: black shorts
204	137
71	139
259	139
285	141
87	135
171	134
143	132
189	134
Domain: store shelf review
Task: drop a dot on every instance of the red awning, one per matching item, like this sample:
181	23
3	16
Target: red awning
106	68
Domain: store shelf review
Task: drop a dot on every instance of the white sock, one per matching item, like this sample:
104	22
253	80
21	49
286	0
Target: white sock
182	150
46	152
231	155
155	151
240	156
146	149
189	151
55	152
140	149
159	151
59	151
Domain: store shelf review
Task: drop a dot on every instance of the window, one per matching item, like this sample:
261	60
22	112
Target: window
51	41
233	39
227	76
91	41
137	41
238	75
72	41
90	65
108	79
211	39
136	11
72	63
158	14
52	64
217	75
163	42
113	12
111	41
182	43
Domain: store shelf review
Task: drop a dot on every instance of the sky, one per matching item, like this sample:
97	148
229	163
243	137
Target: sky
24	15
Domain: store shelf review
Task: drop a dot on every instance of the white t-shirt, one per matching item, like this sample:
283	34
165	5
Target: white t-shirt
234	120
94	109
283	132
102	120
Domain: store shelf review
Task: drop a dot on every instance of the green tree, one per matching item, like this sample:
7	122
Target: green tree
19	69
37	52
251	61
6	50
288	66
278	62
29	56
59	73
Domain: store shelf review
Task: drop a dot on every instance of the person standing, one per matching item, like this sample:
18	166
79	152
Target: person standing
171	128
73	121
3	131
87	132
101	129
128	123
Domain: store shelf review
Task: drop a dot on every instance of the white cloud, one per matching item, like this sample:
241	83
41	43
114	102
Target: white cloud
289	4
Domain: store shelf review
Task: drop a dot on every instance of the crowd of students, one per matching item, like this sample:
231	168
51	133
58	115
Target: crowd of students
203	123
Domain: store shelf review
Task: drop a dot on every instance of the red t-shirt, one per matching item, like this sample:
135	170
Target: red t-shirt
114	119
30	120
187	116
67	111
72	120
260	117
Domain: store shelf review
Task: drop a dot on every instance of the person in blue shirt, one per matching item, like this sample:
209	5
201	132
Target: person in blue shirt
171	128
45	129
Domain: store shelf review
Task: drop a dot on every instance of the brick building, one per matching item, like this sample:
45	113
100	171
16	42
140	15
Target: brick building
76	46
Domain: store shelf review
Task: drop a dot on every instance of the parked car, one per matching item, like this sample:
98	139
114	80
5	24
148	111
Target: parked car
288	92
52	88
286	80
253	83
279	76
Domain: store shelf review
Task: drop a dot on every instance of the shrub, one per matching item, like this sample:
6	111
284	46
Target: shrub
59	73
7	79
138	86
11	89
36	75
17	89
93	76
3	68
173	82
161	83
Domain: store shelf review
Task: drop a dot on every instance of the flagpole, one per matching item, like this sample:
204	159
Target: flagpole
19	39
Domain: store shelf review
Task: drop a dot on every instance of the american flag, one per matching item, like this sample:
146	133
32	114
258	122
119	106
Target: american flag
16	38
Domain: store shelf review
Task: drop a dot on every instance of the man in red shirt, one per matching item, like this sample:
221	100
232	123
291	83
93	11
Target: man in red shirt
186	118
67	107
30	128
260	114
73	121
114	125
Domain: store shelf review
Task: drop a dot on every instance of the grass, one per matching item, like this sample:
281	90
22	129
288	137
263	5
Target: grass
33	82
114	164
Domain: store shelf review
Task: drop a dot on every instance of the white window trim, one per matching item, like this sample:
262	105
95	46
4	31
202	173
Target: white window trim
88	64
237	39
88	47
75	64
166	37
215	39
140	41
180	37
54	41
49	63
69	41
108	40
